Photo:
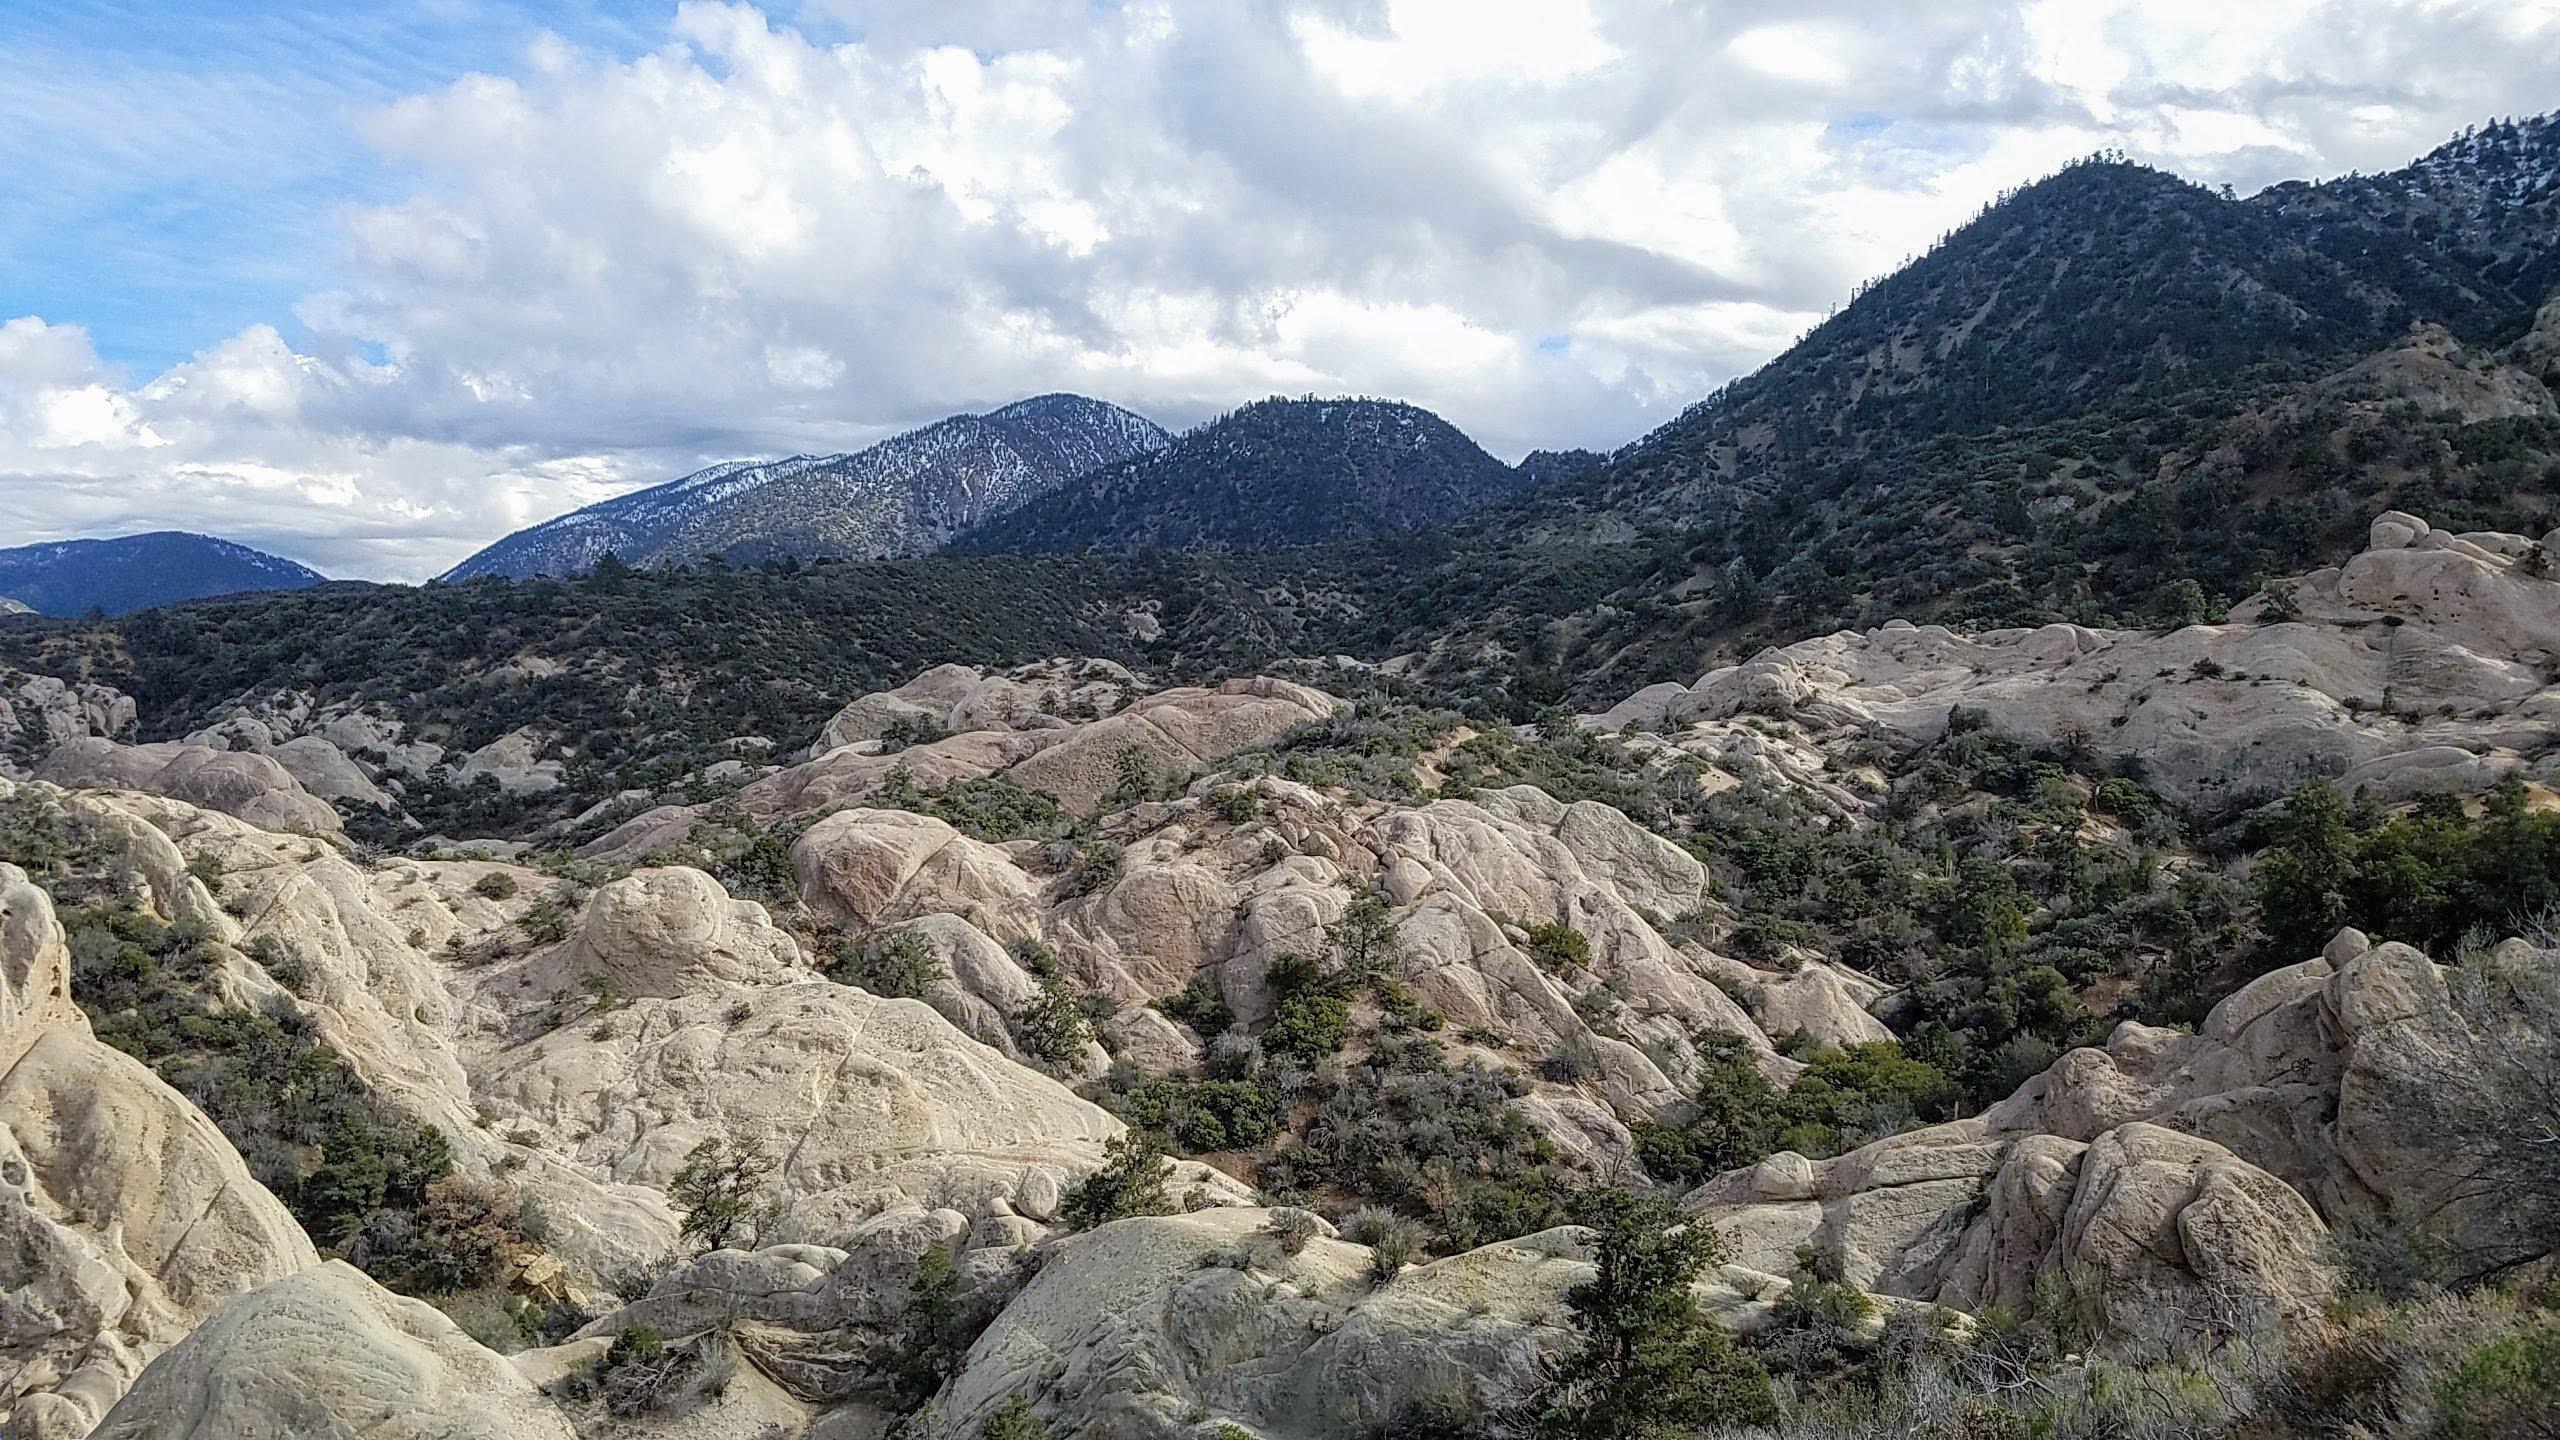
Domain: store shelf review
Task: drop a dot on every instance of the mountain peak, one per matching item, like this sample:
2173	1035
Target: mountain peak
136	572
902	496
1277	471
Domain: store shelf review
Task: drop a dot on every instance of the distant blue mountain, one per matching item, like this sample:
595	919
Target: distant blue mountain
136	572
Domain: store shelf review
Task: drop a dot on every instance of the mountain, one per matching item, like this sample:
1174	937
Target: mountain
2110	282
903	496
1277	472
12	607
2110	384
133	572
1543	468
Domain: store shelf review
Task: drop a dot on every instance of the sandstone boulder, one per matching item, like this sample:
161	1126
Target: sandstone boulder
252	787
515	761
1149	1328
867	1104
330	1353
1175	731
671	930
867	868
959	698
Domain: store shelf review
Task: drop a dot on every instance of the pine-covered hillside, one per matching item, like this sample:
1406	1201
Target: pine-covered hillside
1277	472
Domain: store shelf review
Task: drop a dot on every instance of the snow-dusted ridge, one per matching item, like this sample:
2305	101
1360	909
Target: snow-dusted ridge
903	496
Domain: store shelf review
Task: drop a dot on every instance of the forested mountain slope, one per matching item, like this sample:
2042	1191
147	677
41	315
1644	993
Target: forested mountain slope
1277	472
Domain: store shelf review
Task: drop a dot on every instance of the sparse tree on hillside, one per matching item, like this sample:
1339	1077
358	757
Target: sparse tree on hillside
720	1190
1648	1364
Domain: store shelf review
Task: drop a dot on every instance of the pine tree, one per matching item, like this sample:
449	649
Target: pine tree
1649	1364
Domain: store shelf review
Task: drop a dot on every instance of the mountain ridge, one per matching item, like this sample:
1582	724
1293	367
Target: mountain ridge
902	496
123	573
1276	472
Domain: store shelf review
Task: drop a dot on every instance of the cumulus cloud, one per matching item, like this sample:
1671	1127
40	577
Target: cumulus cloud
1554	221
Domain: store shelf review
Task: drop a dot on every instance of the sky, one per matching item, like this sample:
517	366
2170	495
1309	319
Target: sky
371	284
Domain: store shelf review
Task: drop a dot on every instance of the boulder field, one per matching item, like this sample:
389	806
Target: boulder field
576	1031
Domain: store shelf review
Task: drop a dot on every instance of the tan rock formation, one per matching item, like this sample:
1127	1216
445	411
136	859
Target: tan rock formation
329	1353
252	787
39	712
2424	662
126	1218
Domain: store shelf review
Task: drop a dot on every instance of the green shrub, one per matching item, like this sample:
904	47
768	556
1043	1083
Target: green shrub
1234	804
1559	947
352	1170
1200	1005
894	964
1204	1115
1093	864
1842	1098
1309	1020
1014	1420
2509	1389
935	1331
1131	1182
1050	1028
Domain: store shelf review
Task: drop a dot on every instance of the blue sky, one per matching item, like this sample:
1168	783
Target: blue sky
169	172
370	285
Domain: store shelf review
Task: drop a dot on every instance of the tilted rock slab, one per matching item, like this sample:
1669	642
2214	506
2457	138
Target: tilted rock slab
1177	731
328	1353
126	1217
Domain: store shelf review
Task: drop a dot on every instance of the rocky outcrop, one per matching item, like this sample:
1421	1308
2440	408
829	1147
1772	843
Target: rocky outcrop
867	1104
2183	1178
1152	1328
869	868
126	1219
1172	1326
2161	1229
1198	896
1824	1003
514	762
253	787
1175	733
39	712
670	931
375	742
330	1353
2438	373
583	1069
2332	1074
2424	663
954	699
323	768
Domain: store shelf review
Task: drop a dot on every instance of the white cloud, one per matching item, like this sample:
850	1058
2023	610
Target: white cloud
1556	223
